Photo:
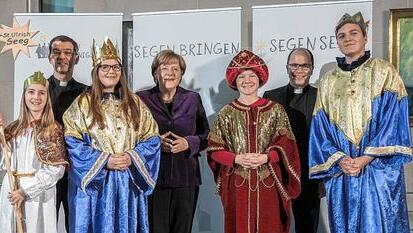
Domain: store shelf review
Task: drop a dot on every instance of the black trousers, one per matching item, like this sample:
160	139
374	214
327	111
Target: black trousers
171	210
306	210
61	198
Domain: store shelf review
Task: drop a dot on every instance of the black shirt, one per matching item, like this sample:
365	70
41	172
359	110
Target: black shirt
299	108
63	96
341	62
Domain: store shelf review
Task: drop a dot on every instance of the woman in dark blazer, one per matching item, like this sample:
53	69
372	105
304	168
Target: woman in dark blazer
184	129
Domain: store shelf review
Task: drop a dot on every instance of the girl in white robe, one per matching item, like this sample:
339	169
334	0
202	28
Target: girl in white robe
38	160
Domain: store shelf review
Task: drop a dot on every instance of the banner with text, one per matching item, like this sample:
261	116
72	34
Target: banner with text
82	27
207	40
278	29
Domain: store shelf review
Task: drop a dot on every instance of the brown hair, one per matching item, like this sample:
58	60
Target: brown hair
47	122
128	104
363	28
166	57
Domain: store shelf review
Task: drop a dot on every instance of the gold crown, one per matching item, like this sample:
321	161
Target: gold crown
356	19
107	51
36	78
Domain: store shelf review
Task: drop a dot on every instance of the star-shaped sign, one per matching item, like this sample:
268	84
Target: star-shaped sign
17	38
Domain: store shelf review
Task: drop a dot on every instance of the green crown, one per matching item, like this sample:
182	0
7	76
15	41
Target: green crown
356	19
36	78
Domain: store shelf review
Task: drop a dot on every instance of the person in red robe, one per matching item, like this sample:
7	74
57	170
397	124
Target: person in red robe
253	154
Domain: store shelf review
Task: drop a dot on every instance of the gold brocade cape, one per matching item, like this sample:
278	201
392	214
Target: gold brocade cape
50	149
239	129
230	132
119	135
349	107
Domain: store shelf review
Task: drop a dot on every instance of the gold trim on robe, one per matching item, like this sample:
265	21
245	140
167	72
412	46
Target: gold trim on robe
138	161
328	164
94	170
388	150
288	165
280	187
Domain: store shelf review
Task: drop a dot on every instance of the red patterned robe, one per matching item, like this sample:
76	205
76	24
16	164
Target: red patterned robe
255	200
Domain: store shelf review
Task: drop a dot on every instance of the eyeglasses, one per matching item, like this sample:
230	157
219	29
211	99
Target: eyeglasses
56	53
106	68
305	66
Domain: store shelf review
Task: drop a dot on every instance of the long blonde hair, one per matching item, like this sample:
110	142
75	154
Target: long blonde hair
46	124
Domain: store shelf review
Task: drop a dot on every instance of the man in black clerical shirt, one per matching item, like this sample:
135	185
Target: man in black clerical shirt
298	99
63	89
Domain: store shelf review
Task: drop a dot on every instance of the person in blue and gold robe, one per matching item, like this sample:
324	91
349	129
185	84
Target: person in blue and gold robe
360	138
114	151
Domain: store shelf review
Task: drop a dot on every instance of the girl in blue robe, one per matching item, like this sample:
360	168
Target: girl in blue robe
114	151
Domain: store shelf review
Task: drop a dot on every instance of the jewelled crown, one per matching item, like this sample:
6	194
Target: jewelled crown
107	51
36	78
356	19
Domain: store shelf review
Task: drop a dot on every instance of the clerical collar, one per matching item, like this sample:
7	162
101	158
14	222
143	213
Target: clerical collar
341	62
295	90
298	90
61	83
111	95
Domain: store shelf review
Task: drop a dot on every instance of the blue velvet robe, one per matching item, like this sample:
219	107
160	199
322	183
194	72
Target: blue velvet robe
362	112
102	200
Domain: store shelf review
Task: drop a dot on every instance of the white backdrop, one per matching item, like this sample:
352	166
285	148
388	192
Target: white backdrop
207	40
82	27
278	29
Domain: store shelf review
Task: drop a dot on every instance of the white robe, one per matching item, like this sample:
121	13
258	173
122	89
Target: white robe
39	211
